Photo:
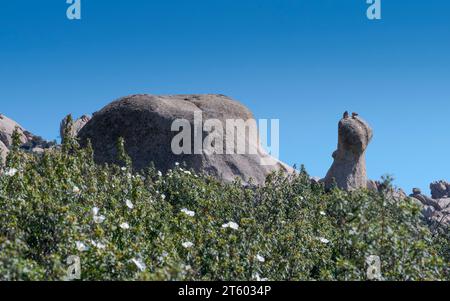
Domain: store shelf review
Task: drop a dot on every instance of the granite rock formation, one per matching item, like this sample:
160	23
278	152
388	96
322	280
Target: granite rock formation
146	123
7	127
436	209
348	171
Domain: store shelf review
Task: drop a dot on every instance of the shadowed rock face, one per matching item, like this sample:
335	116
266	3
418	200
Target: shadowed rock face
144	121
440	189
349	167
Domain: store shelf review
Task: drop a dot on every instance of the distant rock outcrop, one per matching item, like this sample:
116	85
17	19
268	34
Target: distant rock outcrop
145	122
437	208
440	189
77	125
28	141
7	127
37	144
390	192
348	171
425	200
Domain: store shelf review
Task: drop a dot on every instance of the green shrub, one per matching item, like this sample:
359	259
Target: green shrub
127	225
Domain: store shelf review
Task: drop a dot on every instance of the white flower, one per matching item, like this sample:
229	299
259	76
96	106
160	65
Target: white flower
177	164
98	245
231	225
323	240
76	190
139	264
123	168
11	172
81	246
129	204
187	172
163	196
258	278
188	212
260	258
124	226
160	174
187	244
322	213
98	219
95	211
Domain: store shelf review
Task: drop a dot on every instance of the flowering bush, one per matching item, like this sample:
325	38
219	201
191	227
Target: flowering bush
128	225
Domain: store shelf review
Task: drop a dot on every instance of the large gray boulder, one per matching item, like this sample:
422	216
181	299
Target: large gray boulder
146	122
348	170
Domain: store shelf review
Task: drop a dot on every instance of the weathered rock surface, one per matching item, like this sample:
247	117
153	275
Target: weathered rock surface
77	125
28	141
426	201
349	167
440	189
373	185
7	127
444	203
436	209
145	122
3	152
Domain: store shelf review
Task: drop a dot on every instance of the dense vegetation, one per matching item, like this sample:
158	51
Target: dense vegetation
126	225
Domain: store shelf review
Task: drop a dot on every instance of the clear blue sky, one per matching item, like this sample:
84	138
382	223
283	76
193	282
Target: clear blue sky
302	61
